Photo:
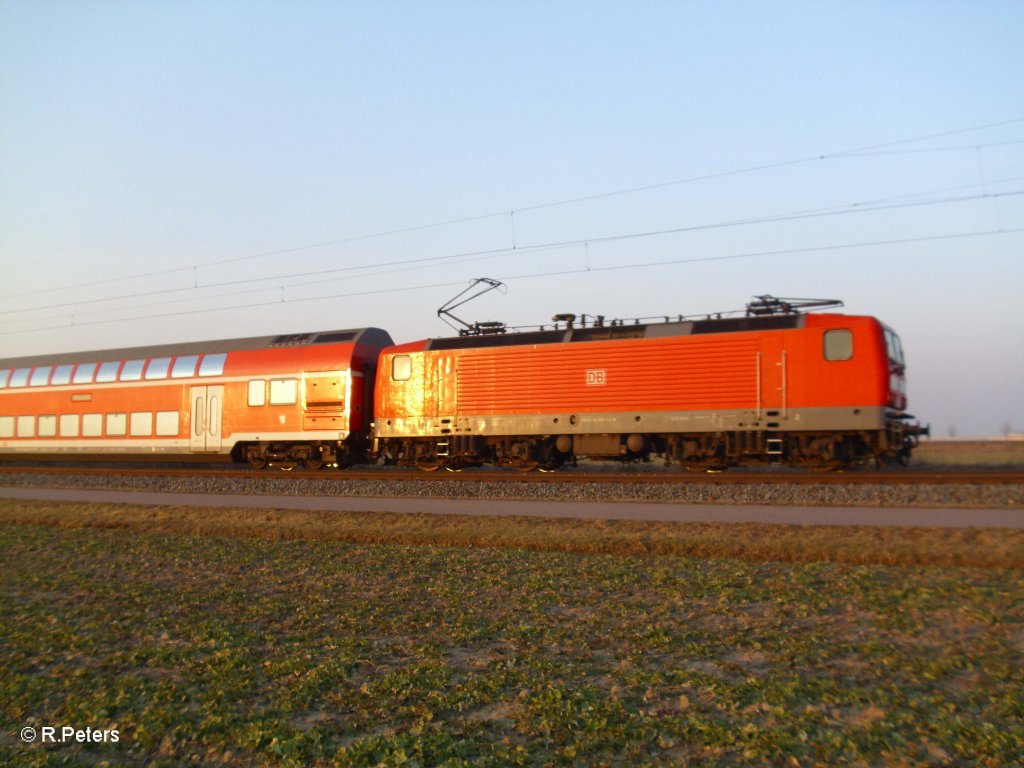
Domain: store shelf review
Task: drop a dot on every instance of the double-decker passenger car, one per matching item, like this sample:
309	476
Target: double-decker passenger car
304	398
822	390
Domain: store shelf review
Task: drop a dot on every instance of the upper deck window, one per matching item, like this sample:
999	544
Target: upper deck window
40	376
4	373
132	370
838	344
184	367
158	367
62	374
108	372
20	377
84	373
213	365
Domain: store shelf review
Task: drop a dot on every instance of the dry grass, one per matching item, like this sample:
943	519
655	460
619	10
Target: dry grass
970	453
973	547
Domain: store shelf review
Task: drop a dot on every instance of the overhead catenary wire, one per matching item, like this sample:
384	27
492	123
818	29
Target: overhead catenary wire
854	152
530	276
849	208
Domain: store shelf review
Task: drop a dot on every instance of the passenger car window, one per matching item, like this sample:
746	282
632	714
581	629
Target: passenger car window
84	373
107	372
838	344
257	392
62	374
284	391
20	377
158	367
40	376
132	370
184	367
213	365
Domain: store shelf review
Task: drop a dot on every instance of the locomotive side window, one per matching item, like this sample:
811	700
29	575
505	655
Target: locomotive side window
213	365
258	392
48	426
132	370
284	391
157	368
69	425
62	375
92	425
838	344
184	367
107	372
6	426
401	368
40	376
84	373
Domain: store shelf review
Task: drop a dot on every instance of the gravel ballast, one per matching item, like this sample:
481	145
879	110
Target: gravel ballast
983	496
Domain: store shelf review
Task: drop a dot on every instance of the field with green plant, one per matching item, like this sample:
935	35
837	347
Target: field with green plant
689	646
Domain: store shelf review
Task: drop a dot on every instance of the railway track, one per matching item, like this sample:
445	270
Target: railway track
649	476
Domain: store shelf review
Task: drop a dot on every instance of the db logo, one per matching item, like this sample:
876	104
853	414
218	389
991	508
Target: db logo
596	377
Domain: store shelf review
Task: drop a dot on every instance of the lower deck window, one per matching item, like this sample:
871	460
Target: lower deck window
26	426
142	424
92	425
284	391
47	426
69	425
167	423
6	426
117	424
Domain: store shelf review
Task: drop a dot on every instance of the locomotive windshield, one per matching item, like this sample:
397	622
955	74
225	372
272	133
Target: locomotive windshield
894	349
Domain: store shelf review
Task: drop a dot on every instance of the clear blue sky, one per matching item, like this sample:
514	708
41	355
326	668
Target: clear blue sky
180	142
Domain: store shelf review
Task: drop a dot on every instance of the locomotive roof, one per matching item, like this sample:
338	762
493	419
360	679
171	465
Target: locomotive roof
618	330
372	336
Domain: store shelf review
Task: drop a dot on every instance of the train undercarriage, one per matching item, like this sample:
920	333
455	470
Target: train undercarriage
713	451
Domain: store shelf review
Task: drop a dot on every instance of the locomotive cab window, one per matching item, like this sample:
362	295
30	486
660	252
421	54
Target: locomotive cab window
838	344
401	368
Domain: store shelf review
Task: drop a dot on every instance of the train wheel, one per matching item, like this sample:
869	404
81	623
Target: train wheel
313	463
428	465
256	460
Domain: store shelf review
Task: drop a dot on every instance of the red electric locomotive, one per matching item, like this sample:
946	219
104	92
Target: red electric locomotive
778	385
